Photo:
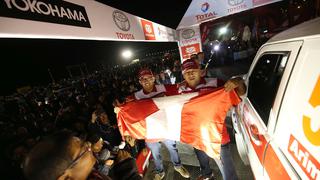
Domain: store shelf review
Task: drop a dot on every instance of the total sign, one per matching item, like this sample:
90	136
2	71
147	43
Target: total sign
206	12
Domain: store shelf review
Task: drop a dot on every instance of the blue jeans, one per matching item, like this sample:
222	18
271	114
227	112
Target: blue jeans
155	150
228	169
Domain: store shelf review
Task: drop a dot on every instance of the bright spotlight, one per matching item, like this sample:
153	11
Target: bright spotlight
223	30
216	47
127	54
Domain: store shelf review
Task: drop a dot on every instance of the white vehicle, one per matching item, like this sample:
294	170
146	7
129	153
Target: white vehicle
278	122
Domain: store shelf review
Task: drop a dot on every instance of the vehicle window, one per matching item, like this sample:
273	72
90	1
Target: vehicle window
264	82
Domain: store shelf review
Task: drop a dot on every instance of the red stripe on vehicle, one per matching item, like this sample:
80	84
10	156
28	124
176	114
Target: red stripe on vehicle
272	163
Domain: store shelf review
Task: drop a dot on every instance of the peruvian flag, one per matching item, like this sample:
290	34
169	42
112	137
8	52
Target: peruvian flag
195	118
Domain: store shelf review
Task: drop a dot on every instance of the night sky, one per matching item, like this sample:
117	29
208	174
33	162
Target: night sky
165	12
26	61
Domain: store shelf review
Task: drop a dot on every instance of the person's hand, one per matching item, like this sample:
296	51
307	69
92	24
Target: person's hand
109	162
129	99
232	84
94	117
122	145
182	84
130	140
116	110
203	72
144	151
122	155
116	103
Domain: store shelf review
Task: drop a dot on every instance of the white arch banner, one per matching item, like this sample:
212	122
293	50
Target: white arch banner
76	19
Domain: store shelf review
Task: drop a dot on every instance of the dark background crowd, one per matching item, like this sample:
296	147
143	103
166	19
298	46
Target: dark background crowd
31	114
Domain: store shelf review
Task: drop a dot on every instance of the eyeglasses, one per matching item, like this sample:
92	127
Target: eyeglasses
87	148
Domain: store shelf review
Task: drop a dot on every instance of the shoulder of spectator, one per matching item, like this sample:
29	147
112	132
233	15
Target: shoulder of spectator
126	169
130	98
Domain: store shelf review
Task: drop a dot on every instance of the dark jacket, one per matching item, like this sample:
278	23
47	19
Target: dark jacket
107	132
126	170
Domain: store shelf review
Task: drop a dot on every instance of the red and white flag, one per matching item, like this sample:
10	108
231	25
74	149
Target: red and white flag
195	119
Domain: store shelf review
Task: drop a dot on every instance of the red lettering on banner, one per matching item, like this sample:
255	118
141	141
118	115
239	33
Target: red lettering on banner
188	41
267	157
124	36
209	15
237	8
309	164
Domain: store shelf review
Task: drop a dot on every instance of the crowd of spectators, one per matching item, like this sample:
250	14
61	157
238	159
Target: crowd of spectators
83	105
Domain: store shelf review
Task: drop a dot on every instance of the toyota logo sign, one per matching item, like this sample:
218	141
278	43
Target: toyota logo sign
121	20
187	33
235	2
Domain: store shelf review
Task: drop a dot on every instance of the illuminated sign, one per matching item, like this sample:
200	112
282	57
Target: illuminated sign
59	12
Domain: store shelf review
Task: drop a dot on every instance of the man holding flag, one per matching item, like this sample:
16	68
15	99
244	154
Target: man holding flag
195	83
151	90
197	117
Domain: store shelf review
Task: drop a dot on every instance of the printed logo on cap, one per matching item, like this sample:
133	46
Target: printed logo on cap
121	20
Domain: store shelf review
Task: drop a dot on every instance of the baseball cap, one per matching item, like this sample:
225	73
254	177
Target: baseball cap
144	72
189	64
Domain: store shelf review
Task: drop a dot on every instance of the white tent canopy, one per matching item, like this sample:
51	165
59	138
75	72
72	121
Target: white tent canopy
200	11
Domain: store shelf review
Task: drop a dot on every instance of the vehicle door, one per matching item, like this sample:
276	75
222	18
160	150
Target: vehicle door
266	82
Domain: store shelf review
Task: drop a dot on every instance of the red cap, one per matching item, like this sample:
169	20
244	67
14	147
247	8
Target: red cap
144	72
189	64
